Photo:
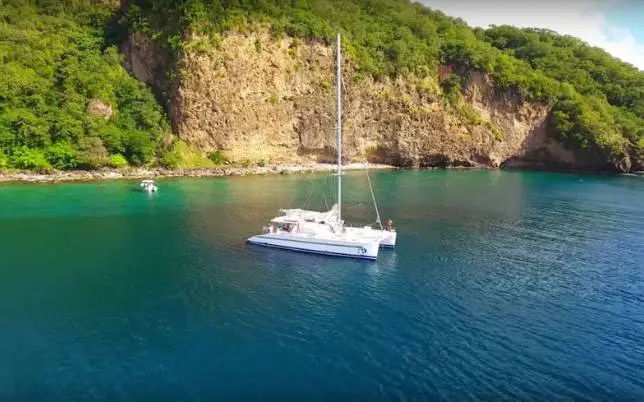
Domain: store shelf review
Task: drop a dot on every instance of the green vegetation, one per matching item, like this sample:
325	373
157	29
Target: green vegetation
190	157
598	101
119	161
217	158
602	104
55	64
497	134
59	58
171	160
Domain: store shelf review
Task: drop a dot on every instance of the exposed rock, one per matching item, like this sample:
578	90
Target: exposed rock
99	108
142	59
150	64
277	104
141	173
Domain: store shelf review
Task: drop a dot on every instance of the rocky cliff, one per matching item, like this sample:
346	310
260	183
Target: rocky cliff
256	97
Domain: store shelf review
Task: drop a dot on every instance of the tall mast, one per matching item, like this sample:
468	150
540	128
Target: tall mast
339	126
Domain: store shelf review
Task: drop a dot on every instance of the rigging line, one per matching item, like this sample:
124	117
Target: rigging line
294	196
317	189
323	191
344	87
330	183
313	189
373	195
308	181
308	200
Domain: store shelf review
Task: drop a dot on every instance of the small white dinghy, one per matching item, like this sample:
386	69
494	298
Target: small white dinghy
149	186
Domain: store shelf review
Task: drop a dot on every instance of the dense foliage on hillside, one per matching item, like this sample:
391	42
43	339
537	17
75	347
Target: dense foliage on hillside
597	100
612	92
591	71
57	61
54	64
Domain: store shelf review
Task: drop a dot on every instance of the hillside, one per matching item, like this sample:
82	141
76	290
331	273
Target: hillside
607	106
65	100
252	82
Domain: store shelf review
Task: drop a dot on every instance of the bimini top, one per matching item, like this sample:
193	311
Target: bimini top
285	219
297	214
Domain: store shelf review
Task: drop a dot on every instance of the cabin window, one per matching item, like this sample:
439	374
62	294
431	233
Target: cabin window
287	227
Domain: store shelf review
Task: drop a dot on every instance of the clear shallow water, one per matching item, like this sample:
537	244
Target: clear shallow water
504	286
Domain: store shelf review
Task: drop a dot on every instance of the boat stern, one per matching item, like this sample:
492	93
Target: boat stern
371	250
257	239
388	239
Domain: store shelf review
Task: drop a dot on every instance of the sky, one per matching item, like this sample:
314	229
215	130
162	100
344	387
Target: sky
617	26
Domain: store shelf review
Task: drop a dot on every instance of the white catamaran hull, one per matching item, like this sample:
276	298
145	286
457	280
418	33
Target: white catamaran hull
386	238
334	247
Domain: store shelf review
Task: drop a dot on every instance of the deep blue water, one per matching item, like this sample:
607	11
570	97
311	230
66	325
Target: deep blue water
503	286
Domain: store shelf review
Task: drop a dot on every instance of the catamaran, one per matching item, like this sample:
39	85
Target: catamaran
325	232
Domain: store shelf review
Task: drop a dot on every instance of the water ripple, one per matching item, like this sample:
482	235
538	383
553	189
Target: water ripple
504	286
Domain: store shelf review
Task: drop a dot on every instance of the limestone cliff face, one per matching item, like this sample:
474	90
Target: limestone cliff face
149	63
524	125
256	97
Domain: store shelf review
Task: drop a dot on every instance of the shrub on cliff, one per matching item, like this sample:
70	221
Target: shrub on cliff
91	153
4	161
170	160
61	155
217	158
26	158
139	148
117	161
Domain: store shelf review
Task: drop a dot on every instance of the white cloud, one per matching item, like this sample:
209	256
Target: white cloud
584	19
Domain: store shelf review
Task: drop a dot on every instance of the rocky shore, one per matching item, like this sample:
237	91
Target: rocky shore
150	173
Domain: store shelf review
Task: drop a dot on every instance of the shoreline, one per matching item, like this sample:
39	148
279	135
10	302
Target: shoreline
153	173
62	176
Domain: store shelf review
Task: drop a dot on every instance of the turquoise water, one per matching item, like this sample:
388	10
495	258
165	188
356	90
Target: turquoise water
503	286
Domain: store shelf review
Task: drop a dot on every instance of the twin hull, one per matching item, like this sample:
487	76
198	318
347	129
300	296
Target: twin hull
337	247
387	239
